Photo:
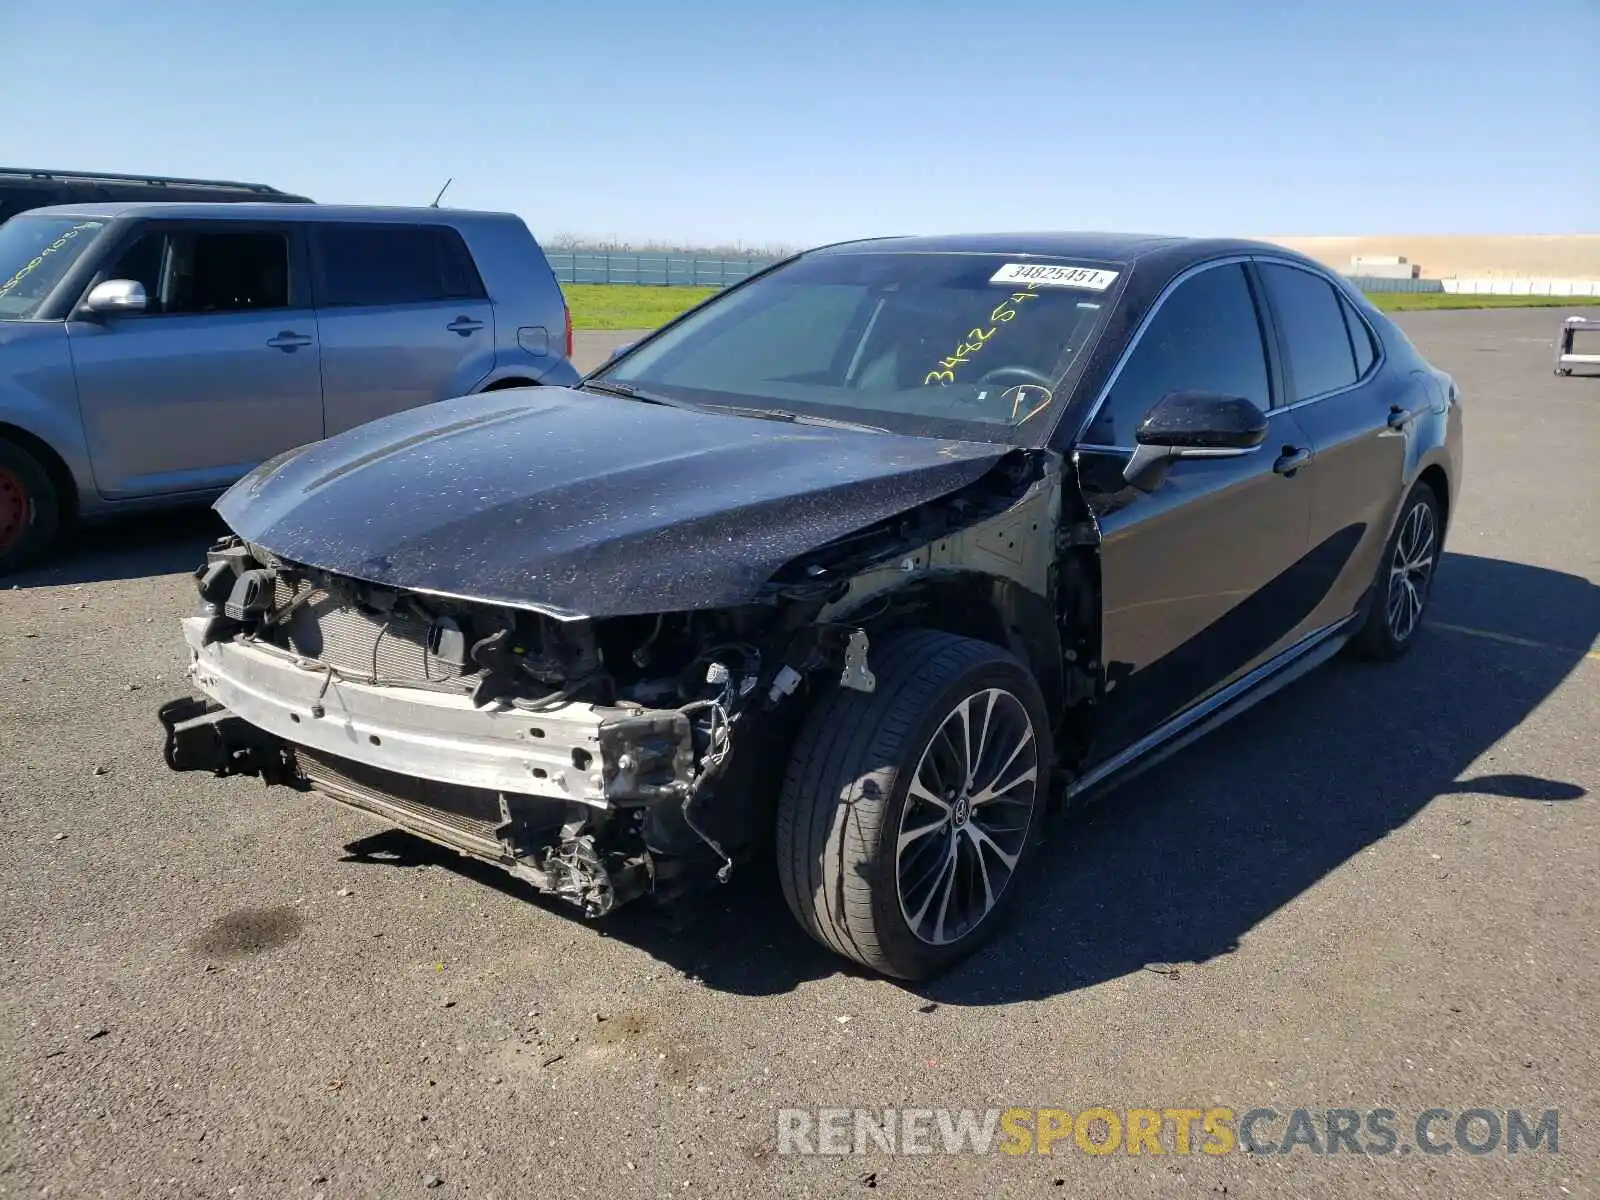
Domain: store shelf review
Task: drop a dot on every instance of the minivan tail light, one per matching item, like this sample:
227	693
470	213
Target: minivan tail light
567	314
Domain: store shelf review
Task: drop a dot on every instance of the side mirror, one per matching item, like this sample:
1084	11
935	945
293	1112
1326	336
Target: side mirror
116	296
1193	425
619	351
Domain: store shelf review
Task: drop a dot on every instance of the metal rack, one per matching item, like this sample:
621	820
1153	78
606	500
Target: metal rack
1566	357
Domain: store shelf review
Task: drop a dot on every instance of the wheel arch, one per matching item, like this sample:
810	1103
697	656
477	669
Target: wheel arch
510	381
1435	476
53	463
986	608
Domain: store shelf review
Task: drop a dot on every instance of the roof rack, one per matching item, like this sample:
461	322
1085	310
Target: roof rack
156	181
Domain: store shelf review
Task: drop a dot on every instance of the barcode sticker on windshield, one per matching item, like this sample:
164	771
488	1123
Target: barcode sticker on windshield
1045	275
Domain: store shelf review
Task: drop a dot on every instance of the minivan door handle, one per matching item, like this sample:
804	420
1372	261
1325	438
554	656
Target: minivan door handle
465	326
1291	460
288	341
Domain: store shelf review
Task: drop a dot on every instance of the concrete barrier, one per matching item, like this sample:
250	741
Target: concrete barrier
1521	287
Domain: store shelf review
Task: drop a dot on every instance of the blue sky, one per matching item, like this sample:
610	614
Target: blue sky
721	120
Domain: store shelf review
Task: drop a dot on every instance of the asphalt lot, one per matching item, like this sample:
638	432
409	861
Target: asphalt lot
1378	889
591	346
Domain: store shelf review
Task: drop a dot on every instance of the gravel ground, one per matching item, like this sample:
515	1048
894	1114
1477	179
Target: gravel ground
1375	890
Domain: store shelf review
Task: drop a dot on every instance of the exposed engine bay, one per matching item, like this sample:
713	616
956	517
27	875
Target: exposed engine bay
598	759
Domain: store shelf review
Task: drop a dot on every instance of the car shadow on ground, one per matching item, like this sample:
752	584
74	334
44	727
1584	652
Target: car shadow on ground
128	548
1177	865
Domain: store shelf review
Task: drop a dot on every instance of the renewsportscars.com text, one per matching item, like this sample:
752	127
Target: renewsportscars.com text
1102	1130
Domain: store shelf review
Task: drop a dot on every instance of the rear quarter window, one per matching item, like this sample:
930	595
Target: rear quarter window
1361	341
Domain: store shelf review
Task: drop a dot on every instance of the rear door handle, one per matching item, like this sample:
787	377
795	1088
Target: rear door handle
1291	460
288	341
465	326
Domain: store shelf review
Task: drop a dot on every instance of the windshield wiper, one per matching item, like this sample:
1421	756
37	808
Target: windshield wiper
797	418
628	392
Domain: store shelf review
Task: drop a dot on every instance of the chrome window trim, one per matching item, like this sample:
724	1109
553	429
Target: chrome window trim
1173	285
1379	358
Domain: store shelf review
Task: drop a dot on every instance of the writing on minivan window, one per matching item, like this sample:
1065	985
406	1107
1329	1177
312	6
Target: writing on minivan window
29	267
945	371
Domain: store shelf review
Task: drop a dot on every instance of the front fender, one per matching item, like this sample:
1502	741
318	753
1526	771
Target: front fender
39	396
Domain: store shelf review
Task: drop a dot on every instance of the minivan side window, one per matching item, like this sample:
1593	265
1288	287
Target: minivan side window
1205	337
142	263
461	279
208	271
394	264
1314	333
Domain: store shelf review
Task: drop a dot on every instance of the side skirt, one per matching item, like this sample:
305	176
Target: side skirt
1194	723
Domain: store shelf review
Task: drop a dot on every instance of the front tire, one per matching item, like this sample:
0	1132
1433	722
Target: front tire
30	508
909	814
1404	581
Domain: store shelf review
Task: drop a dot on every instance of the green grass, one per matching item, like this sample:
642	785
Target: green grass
1412	301
626	306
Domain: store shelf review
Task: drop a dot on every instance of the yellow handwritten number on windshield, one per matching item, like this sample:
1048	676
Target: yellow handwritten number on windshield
976	339
32	264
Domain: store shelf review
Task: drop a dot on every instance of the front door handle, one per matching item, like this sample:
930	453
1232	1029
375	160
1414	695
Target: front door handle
288	341
465	326
1291	460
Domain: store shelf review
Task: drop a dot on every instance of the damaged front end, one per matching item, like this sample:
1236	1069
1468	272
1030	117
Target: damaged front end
582	755
604	757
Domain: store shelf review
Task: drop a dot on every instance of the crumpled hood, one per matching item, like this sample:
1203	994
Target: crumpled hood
576	503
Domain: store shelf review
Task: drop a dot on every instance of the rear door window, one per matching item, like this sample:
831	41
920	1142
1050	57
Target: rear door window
1315	336
394	264
461	279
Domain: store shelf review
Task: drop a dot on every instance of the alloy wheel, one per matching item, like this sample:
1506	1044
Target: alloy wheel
1411	570
966	816
13	508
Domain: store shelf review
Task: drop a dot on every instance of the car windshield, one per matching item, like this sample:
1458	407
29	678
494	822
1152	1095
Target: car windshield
959	345
35	252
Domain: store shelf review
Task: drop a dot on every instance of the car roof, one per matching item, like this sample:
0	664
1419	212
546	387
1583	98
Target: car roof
253	211
1094	247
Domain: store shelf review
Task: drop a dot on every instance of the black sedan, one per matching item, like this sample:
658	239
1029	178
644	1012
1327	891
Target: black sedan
861	565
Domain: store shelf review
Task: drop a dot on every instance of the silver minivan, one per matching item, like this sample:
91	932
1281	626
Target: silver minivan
151	354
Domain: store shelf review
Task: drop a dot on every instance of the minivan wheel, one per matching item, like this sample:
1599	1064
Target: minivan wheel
30	509
909	814
1405	579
